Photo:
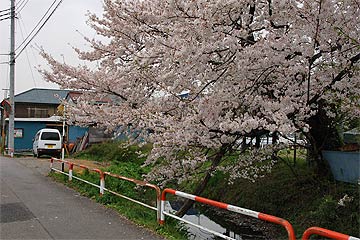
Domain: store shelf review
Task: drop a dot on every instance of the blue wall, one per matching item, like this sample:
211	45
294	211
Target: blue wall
31	128
29	131
75	132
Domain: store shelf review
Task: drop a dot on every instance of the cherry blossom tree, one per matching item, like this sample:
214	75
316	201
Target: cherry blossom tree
199	77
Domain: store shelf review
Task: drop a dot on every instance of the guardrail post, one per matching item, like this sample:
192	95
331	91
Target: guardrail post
162	208
163	200
158	213
102	182
51	164
71	166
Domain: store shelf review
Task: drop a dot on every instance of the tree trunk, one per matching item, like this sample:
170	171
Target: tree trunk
257	141
189	203
202	185
274	137
323	135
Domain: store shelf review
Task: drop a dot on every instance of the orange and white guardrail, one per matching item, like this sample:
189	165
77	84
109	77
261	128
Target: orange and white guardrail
161	200
244	211
139	183
102	187
326	233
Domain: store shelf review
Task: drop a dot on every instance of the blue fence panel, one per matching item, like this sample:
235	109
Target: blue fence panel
345	166
76	132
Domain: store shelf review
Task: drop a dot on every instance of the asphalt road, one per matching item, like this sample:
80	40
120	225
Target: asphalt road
35	207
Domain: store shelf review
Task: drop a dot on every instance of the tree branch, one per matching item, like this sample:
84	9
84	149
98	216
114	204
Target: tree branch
338	78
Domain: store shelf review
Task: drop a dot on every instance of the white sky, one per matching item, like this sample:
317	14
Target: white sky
57	38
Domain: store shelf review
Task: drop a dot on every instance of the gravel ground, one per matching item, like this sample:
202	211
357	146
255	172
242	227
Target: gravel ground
41	165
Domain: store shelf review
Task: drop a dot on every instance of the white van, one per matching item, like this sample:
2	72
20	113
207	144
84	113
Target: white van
47	141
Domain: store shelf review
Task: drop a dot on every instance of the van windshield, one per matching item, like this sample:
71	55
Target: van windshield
50	136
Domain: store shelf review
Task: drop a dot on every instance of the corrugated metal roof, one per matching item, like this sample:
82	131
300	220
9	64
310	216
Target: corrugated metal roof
40	95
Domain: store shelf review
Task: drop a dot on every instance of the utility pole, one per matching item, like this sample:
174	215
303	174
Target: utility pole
63	140
6	92
12	80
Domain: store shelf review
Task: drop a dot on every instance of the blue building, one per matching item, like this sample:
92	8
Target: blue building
36	109
26	128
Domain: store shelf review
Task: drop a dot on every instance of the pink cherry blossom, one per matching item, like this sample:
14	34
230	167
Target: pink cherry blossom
247	65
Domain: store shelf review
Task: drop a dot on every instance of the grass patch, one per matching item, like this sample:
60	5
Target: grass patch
297	195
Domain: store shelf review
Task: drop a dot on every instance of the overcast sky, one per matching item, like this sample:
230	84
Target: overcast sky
57	37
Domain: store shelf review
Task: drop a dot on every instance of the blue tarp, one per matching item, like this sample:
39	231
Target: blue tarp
345	166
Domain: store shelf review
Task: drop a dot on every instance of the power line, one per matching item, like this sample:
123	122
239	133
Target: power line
20	8
5	14
27	55
8	9
20	3
31	45
47	19
37	25
2	19
21	23
36	47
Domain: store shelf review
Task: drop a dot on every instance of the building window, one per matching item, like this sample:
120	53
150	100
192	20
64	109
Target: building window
38	113
18	133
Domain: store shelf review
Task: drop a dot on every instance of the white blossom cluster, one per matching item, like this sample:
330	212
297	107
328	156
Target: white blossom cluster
344	200
246	66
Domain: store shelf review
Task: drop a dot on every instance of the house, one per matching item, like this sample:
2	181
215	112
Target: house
36	109
38	103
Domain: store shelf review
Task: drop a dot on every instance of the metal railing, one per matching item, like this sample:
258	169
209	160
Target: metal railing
71	175
326	233
244	211
161	199
102	187
138	183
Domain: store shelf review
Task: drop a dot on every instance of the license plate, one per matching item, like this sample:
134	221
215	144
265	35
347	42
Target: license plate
50	146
